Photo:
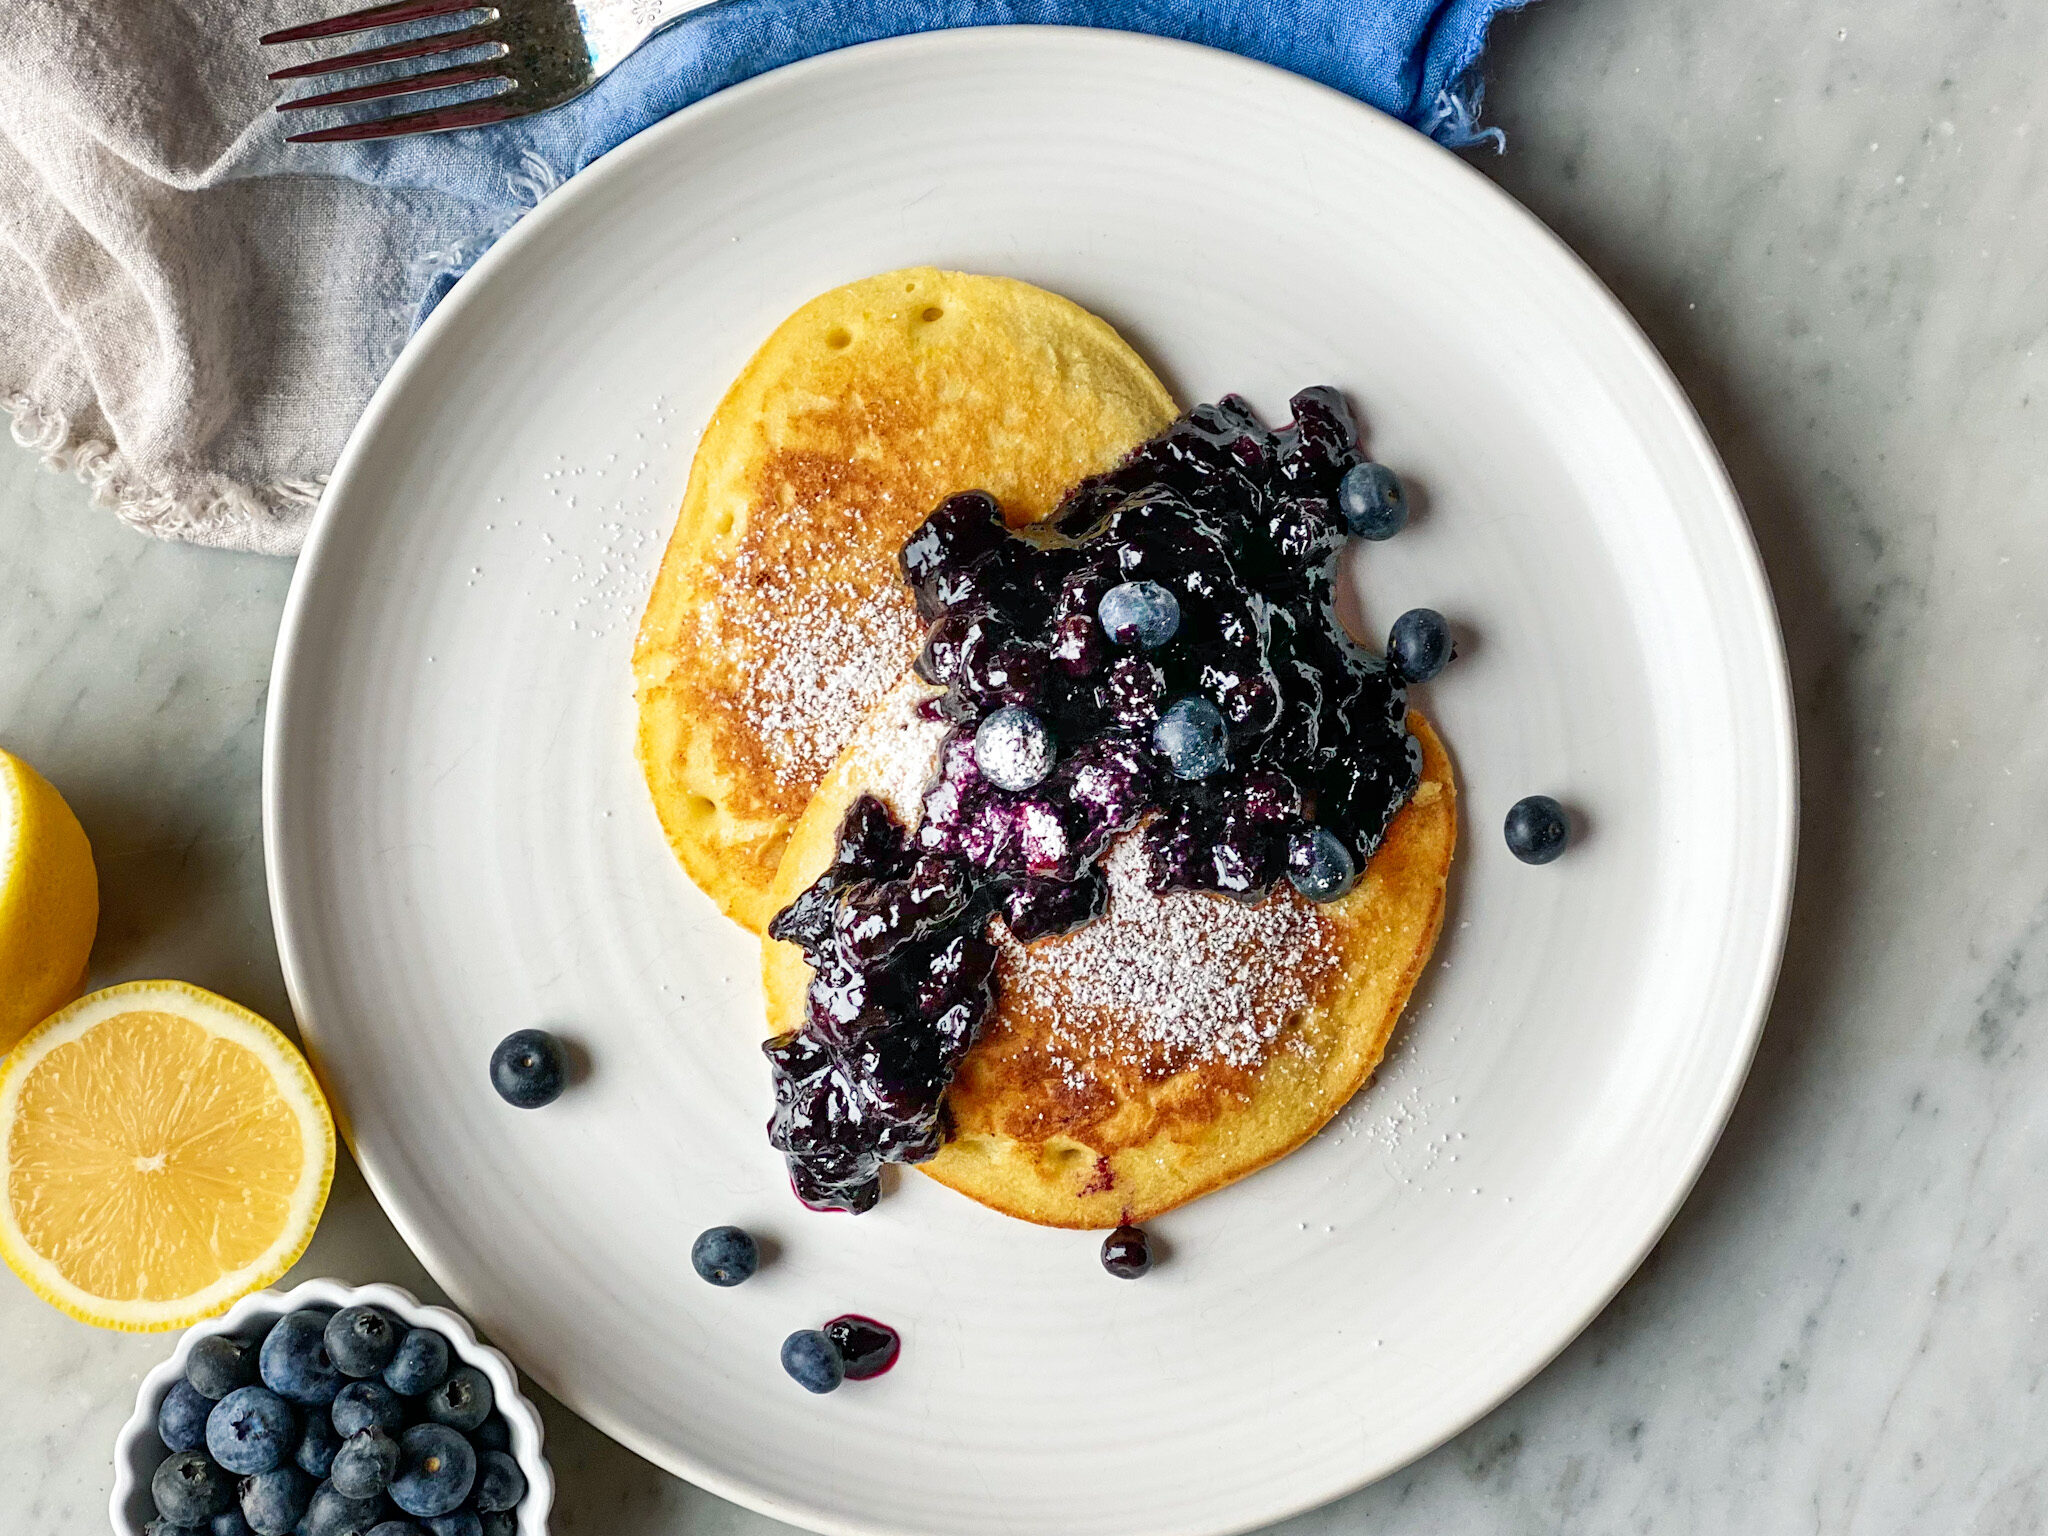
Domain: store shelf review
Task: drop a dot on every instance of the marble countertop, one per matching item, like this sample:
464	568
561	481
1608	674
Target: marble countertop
1830	217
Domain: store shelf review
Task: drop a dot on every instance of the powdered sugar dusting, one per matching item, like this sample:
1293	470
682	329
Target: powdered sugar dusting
1176	981
899	751
814	655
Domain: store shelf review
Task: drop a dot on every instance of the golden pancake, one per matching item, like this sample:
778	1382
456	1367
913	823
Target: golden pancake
1177	1043
779	617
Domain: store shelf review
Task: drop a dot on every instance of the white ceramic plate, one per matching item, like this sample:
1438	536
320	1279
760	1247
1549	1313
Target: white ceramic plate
460	843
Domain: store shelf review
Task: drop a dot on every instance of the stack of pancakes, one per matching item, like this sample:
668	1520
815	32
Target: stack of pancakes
1179	1042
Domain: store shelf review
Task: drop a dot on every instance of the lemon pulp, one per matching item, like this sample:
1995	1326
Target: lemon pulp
165	1152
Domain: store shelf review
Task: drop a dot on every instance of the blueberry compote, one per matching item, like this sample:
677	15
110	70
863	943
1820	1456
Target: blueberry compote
1239	525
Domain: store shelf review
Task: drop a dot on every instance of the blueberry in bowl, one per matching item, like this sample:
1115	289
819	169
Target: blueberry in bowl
281	1468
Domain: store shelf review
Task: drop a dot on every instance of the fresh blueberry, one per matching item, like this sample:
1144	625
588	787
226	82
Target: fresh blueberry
1537	829
274	1502
435	1470
1014	749
1192	737
366	1463
867	1347
189	1489
362	1340
181	1421
396	1528
1127	1253
529	1068
160	1526
232	1523
1319	864
1371	501
461	1402
812	1360
1419	644
334	1513
219	1364
317	1445
251	1430
367	1404
294	1362
724	1256
499	1482
420	1365
500	1522
1140	614
463	1522
494	1434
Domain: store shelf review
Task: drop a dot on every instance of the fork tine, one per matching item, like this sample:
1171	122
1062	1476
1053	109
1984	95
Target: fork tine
404	85
371	16
466	114
418	48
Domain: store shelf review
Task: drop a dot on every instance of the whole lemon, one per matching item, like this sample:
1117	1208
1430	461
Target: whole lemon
49	900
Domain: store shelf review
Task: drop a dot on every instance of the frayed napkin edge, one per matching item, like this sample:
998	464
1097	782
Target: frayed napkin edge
213	510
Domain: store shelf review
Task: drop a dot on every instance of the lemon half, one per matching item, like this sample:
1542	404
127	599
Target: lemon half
49	900
163	1151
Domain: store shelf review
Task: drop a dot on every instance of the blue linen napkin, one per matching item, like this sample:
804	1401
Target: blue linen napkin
1416	60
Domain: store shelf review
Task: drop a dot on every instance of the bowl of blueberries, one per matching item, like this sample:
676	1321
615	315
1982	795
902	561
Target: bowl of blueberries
332	1410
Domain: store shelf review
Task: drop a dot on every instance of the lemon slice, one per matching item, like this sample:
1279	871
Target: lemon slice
49	900
163	1151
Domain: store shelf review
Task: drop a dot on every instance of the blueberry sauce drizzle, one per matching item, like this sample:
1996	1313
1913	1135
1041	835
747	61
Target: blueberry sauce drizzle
1239	524
869	1348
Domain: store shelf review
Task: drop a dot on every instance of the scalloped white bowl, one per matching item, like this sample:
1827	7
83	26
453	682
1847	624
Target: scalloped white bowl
137	1451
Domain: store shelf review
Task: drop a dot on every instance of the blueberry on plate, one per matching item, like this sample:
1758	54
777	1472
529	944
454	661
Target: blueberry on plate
1192	737
461	1522
1140	614
294	1362
1537	829
334	1513
420	1365
724	1256
160	1526
500	1522
494	1434
274	1502
181	1421
361	1340
189	1489
1371	501
529	1068
219	1364
364	1404
251	1430
317	1445
463	1401
1319	864
365	1464
499	1482
1419	644
396	1528
812	1360
1014	749
435	1470
231	1522
1127	1253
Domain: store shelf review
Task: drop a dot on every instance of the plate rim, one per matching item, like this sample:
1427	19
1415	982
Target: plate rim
1261	78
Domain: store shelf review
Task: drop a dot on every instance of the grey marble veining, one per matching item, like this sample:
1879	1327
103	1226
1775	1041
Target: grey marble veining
1831	219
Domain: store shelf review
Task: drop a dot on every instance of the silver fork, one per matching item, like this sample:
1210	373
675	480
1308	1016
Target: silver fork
534	54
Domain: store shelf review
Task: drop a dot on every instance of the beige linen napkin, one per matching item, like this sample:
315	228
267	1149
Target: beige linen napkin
187	320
